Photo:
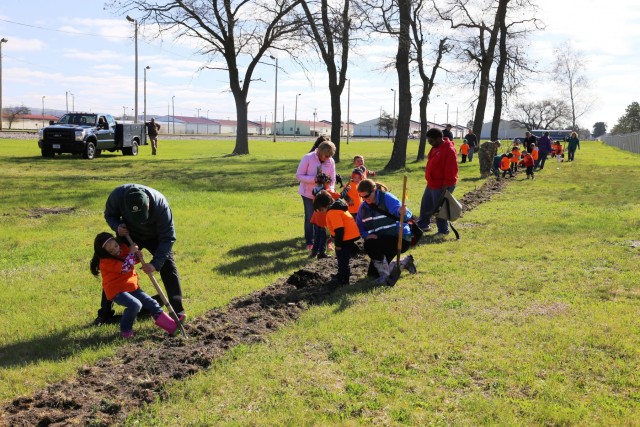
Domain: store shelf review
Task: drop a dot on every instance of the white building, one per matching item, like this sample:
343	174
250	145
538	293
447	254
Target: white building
370	128
508	130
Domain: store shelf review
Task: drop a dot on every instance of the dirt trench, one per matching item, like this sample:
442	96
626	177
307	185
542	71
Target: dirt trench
105	393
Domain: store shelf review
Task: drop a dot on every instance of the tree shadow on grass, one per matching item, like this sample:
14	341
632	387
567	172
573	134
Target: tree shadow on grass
53	347
264	258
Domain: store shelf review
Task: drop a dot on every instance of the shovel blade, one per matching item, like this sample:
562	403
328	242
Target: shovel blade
394	275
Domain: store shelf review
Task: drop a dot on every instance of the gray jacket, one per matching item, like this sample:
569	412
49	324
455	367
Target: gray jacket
159	228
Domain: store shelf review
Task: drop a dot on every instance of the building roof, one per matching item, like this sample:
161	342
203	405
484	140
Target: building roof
34	117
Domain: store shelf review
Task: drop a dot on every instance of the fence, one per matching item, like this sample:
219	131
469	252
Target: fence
629	142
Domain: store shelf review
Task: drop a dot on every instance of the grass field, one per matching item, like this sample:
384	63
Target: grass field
530	319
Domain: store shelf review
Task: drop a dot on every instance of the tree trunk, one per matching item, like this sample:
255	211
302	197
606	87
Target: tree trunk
335	92
485	70
423	123
242	133
499	82
399	154
336	119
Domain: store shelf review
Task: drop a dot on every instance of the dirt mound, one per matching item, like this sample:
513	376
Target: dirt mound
103	394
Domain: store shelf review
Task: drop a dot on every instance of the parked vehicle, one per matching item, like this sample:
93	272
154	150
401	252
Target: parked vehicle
90	133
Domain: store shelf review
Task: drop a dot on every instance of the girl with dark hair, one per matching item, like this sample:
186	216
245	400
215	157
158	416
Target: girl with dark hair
115	262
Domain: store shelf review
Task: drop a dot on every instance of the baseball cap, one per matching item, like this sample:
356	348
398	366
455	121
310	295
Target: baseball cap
137	204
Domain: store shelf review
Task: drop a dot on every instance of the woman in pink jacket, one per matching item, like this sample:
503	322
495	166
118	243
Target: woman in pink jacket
313	163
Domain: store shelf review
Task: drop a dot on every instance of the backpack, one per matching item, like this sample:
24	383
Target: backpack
449	207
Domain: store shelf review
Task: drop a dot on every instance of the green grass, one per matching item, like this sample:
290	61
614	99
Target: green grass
530	319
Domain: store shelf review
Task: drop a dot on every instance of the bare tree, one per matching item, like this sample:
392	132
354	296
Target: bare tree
12	112
420	42
393	17
331	27
481	41
569	72
546	114
240	31
512	64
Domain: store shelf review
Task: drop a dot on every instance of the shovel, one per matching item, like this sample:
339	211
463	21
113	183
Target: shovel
394	275
163	297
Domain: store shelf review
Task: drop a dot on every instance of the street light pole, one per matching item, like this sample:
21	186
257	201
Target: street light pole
124	113
348	105
145	93
207	122
173	113
43	110
394	113
447	112
3	40
73	102
135	25
295	117
275	103
315	114
66	97
198	120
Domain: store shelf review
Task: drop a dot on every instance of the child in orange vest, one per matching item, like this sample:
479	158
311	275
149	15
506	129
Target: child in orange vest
114	261
534	152
516	157
342	227
559	151
350	192
464	150
318	219
505	165
528	162
358	162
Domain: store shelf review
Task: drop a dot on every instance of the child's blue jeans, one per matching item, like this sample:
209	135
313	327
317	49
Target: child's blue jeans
319	240
133	302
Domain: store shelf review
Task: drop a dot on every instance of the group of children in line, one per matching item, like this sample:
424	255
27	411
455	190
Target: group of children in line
529	159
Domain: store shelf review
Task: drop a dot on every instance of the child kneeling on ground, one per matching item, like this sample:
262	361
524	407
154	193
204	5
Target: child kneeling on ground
115	262
342	227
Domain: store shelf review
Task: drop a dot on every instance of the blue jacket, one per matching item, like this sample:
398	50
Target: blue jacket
159	228
371	221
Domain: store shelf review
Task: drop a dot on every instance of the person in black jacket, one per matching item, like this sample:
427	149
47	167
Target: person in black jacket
472	140
145	215
446	133
152	130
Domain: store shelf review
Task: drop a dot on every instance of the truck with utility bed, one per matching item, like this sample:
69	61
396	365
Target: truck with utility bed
90	133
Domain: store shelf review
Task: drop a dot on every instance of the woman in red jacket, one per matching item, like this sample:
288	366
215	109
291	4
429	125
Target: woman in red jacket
441	174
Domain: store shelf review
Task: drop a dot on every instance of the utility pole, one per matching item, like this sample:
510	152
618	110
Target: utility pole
275	103
447	112
173	113
145	93
315	114
348	105
3	40
394	113
135	26
295	117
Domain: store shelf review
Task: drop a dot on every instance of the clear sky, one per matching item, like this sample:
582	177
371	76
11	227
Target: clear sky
66	47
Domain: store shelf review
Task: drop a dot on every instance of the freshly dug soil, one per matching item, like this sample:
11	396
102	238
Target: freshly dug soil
103	394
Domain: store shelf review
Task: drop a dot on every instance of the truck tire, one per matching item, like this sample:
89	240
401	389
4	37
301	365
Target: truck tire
131	151
47	152
90	151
